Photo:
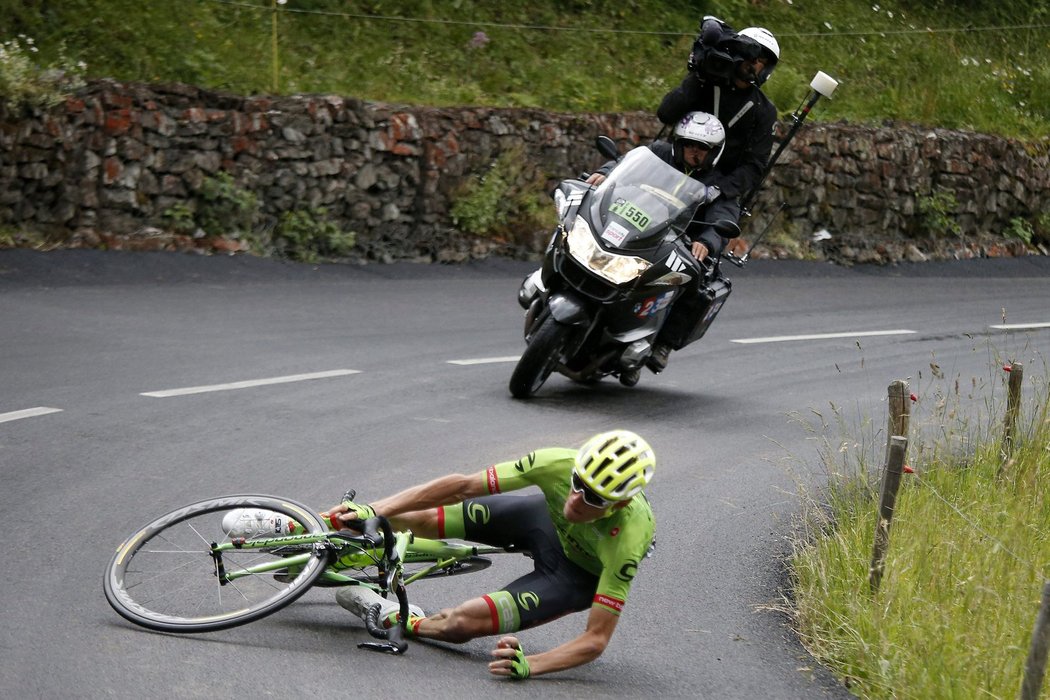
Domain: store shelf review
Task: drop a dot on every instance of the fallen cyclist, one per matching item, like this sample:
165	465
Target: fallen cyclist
587	532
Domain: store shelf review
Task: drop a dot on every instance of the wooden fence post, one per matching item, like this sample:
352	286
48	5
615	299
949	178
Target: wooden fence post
1035	666
1013	408
891	481
899	411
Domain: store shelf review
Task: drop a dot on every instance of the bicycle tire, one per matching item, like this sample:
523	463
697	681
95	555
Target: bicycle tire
164	577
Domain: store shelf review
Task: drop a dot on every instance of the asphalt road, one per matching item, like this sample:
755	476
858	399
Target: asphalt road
86	456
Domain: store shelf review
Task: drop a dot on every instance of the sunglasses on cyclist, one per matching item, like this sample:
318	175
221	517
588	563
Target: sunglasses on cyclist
589	497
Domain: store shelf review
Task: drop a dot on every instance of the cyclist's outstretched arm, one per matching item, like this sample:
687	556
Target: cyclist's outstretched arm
442	491
586	648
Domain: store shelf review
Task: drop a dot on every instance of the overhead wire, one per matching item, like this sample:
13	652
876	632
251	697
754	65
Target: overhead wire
608	30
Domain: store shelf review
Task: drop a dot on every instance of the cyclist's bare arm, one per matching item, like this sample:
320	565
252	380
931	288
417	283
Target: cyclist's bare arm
586	648
442	491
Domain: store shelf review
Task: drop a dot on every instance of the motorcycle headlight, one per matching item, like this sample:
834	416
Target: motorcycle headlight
618	269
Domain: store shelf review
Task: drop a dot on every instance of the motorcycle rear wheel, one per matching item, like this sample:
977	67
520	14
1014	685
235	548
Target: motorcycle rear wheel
541	356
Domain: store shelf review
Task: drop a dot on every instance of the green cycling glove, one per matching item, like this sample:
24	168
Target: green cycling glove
364	511
519	665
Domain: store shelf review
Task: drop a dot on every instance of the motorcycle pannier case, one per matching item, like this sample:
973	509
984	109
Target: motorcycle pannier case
707	305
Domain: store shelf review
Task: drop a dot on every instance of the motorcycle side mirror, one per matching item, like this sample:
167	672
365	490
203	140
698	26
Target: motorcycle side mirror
726	228
606	147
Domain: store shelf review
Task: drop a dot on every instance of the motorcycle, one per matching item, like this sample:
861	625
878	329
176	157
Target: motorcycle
618	260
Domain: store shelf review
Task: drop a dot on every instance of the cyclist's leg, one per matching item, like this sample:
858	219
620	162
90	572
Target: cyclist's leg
492	520
498	521
556	586
531	600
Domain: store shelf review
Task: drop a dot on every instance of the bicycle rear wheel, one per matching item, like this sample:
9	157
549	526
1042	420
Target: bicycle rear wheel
166	577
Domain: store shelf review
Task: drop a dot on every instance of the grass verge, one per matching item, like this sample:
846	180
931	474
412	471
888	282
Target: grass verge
969	553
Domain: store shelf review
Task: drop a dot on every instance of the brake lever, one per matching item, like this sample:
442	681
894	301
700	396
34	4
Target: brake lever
388	647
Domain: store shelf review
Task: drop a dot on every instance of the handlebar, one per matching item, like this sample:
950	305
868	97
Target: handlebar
376	531
393	638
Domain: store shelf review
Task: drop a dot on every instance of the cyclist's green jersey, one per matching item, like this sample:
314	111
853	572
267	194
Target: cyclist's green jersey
610	548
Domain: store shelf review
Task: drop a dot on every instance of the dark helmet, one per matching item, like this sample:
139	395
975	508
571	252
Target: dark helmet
702	129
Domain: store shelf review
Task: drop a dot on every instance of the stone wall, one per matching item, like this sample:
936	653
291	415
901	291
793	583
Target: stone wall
102	169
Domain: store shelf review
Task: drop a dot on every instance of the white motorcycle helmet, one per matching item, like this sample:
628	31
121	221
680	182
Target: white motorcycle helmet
703	129
770	49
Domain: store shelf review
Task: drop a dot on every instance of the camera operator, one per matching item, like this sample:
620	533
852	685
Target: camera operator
726	72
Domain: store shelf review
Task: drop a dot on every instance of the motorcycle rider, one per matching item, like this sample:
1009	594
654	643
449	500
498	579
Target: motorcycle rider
696	147
734	95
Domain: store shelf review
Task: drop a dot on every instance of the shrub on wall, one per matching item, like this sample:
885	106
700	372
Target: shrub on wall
219	208
937	212
26	83
308	235
508	202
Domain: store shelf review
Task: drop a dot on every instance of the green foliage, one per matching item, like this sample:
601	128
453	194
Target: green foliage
308	236
179	218
936	212
219	208
25	83
1041	231
507	202
223	208
1021	230
585	55
12	237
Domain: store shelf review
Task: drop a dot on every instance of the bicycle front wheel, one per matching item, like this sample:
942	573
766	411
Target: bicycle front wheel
184	572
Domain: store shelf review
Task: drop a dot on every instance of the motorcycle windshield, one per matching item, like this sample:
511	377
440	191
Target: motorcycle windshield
642	196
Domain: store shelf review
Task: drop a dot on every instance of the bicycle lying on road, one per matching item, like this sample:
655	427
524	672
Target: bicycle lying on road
227	561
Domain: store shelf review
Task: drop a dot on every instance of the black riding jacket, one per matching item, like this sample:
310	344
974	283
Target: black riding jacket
748	117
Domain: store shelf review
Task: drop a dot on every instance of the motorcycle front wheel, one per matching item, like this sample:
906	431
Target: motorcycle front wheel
541	356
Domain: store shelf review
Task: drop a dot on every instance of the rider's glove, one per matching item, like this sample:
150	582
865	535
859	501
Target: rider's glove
363	510
519	665
713	193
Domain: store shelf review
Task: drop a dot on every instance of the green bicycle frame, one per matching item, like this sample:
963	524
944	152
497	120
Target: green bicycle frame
410	549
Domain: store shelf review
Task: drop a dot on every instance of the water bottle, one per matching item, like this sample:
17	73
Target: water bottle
249	523
254	522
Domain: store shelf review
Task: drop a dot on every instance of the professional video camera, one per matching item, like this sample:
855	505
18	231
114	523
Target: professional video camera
718	51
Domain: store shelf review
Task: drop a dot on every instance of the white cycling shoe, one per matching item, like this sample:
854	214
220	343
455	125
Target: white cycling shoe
360	599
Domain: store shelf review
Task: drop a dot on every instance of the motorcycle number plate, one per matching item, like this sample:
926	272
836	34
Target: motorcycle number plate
630	213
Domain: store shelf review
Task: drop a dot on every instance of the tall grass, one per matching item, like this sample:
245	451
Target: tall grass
572	55
969	552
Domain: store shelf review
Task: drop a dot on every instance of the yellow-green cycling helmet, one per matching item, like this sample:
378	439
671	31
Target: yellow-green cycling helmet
615	465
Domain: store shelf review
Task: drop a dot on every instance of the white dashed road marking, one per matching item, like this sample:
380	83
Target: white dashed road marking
485	360
250	383
28	413
1019	326
819	336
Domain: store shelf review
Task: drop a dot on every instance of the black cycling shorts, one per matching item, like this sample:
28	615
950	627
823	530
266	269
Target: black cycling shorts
555	587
